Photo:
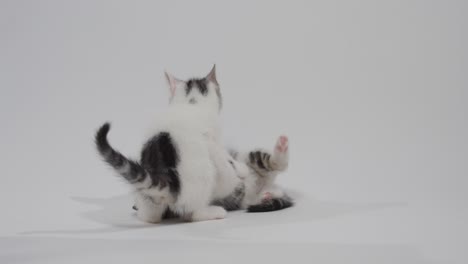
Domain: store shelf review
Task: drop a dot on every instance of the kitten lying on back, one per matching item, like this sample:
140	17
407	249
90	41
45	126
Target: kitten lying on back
183	165
258	192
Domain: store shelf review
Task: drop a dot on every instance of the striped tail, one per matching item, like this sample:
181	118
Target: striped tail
274	204
132	171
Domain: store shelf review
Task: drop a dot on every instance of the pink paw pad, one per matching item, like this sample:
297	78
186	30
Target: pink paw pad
282	144
267	196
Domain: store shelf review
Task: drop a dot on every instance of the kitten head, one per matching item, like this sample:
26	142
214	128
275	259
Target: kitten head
202	92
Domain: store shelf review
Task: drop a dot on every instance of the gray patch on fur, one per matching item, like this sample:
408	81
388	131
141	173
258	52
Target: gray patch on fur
233	201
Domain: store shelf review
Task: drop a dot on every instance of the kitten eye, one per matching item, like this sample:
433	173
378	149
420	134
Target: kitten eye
192	101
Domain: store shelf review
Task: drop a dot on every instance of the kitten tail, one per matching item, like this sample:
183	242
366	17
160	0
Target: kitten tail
130	170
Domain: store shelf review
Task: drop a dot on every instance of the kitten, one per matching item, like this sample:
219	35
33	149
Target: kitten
182	166
258	191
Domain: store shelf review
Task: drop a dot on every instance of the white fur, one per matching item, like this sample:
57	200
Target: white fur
204	172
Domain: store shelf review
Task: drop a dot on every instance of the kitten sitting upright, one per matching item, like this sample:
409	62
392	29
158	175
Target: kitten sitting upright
183	166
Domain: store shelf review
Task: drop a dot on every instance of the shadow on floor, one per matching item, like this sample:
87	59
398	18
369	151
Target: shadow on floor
116	213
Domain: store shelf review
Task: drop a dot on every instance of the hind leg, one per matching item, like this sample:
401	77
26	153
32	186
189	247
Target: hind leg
195	205
280	157
149	210
193	202
208	213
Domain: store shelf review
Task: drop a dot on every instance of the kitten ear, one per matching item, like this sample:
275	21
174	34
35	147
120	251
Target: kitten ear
172	81
211	77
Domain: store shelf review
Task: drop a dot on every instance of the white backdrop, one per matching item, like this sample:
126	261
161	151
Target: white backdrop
373	95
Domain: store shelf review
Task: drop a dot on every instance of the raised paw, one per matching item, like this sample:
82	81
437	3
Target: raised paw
282	144
281	154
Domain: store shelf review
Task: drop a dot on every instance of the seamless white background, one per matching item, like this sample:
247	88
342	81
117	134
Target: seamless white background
373	95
